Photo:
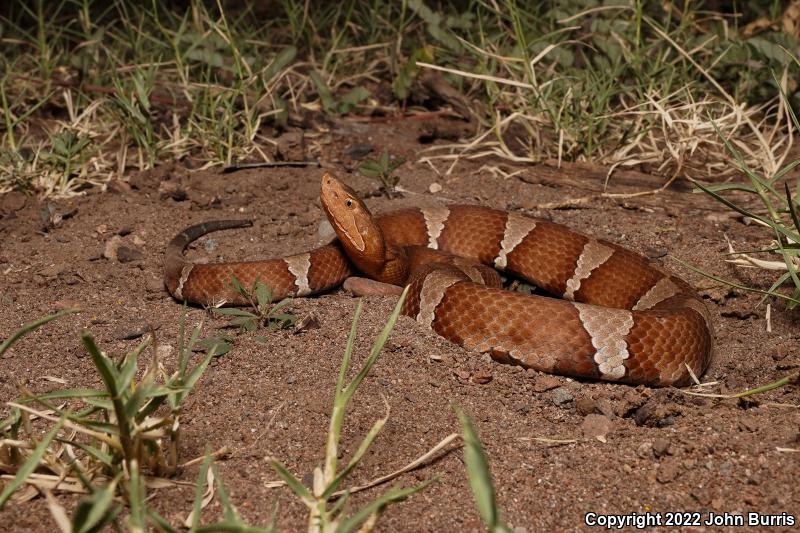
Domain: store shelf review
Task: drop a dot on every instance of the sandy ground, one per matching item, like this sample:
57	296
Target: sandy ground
663	450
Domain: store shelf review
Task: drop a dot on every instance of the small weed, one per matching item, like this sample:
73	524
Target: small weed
264	312
346	104
383	170
324	517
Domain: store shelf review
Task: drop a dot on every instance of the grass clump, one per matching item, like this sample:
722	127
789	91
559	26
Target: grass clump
778	214
90	90
629	85
117	434
126	435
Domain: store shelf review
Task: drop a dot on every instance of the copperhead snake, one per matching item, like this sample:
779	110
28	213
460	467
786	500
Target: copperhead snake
620	318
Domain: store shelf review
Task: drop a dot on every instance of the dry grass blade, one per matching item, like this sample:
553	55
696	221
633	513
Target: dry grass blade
58	512
413	465
791	378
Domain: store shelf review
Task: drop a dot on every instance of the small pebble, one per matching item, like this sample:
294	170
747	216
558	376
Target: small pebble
545	383
661	447
668	471
585	406
561	396
596	426
645	450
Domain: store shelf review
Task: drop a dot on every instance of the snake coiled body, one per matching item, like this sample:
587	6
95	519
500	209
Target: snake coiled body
619	318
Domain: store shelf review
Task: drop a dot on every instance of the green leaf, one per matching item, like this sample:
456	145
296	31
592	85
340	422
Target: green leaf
280	62
352	98
370	169
280	305
238	287
263	295
233	311
217	345
30	464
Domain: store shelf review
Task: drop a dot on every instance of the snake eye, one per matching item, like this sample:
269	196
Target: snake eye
349	203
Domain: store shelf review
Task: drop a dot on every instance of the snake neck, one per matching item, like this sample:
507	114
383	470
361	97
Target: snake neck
361	236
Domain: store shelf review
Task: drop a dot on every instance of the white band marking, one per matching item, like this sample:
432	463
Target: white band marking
185	272
434	222
299	265
659	292
430	296
607	327
517	228
592	256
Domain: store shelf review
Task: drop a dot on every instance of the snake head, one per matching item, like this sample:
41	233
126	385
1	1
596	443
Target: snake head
355	226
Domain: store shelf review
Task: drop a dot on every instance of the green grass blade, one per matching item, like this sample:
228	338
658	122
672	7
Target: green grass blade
280	62
233	527
188	382
199	489
376	348
95	452
30	464
160	522
792	210
127	370
325	95
736	285
228	510
95	511
29	327
104	365
137	520
233	311
64	394
377	506
480	479
293	483
362	449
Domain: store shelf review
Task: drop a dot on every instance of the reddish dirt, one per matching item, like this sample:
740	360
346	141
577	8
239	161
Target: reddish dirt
662	450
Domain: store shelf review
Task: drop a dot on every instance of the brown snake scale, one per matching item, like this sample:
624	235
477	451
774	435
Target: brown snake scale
621	318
